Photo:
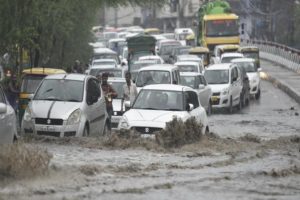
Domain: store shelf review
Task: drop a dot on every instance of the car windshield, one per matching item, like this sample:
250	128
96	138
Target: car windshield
118	87
217	76
135	57
187	68
104	63
222	27
253	55
189	81
167	49
149	77
138	65
106	56
248	66
30	83
60	90
228	59
110	72
159	100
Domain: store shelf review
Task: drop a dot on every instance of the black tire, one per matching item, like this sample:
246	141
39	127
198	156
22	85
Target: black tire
240	105
230	108
86	131
105	129
243	99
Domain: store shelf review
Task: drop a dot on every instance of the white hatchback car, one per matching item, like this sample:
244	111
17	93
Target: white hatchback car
197	82
190	66
8	120
66	105
249	64
158	104
226	84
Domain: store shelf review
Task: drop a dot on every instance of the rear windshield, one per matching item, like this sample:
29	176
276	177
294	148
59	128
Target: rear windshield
30	83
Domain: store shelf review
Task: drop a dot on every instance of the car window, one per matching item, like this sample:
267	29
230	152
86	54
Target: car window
191	98
93	89
202	80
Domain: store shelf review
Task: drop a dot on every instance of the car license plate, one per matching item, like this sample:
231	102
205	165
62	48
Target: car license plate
214	98
48	128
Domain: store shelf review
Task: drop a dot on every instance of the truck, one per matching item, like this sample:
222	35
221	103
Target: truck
217	25
140	45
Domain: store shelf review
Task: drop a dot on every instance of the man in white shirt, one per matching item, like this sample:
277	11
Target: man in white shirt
130	91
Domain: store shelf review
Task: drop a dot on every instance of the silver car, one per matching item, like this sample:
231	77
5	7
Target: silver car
8	121
66	105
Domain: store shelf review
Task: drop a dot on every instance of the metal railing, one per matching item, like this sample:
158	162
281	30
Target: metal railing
281	54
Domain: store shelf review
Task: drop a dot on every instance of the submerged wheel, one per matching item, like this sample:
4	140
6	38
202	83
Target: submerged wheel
85	132
230	108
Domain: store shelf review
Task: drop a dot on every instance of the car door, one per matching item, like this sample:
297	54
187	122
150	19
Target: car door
235	85
205	92
95	110
193	98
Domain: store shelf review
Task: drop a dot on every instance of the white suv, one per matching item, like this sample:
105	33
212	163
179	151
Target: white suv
226	84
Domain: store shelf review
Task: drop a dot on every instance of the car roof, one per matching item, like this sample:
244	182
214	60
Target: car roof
159	67
190	74
150	57
188	56
230	54
104	51
187	63
167	87
236	60
77	77
221	66
105	60
107	67
117	40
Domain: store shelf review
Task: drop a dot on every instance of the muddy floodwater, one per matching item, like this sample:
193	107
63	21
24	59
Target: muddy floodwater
253	154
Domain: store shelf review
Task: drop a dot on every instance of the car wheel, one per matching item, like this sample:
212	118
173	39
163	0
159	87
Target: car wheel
230	108
257	95
241	101
85	132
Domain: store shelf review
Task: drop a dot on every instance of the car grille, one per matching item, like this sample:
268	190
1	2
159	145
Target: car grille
114	125
146	130
216	102
49	121
216	94
49	133
70	134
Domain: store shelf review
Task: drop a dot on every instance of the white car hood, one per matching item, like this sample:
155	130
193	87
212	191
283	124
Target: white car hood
59	109
253	76
152	117
218	87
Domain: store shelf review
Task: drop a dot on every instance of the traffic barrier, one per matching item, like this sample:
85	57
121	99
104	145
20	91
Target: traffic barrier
281	54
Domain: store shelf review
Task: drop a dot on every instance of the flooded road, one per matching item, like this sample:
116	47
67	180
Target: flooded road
256	156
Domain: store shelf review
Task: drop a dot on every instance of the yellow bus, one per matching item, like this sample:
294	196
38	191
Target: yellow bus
220	29
152	31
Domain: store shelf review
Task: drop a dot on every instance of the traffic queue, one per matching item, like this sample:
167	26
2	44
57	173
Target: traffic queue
137	80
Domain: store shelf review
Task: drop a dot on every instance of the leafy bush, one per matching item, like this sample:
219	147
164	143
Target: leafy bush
178	133
20	160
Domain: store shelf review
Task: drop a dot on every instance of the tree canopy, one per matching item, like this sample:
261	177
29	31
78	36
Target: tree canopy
52	32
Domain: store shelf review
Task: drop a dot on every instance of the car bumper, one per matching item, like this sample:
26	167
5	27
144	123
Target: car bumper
220	101
63	130
254	88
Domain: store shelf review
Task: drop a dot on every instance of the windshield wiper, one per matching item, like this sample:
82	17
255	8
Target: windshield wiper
73	100
173	109
149	108
50	99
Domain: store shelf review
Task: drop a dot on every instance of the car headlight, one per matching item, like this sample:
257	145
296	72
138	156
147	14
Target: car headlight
74	118
225	91
123	124
27	115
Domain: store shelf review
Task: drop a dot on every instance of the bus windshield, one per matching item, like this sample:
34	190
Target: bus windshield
222	27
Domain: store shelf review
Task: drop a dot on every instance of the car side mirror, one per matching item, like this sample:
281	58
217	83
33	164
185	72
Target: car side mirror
259	70
246	78
127	104
201	86
175	82
3	108
30	96
233	79
190	107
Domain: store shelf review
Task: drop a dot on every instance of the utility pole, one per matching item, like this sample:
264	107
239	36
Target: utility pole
178	23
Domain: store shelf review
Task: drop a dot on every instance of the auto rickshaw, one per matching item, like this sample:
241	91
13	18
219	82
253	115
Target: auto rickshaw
152	31
190	40
31	79
251	52
202	52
